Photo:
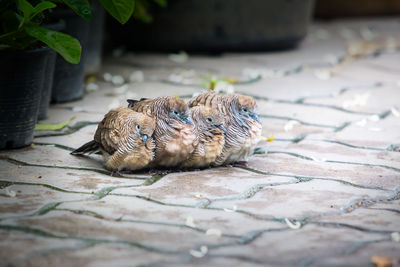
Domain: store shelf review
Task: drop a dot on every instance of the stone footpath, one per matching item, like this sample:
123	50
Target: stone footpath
324	192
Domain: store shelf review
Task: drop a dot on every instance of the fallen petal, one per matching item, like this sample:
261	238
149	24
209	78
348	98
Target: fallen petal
215	232
295	225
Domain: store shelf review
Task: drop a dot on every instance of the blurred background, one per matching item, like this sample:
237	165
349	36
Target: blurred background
234	25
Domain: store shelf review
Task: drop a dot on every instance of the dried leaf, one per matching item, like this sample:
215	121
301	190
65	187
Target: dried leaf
199	254
52	126
182	57
295	225
190	221
117	80
215	232
91	87
381	261
395	112
136	76
234	208
107	77
323	74
290	125
395	236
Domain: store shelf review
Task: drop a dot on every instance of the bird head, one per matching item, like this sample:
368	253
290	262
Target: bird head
247	108
145	126
212	119
178	111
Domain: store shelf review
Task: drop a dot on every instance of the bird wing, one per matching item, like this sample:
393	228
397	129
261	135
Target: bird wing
144	105
107	133
207	98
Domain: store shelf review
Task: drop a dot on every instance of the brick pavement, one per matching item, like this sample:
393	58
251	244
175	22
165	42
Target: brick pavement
324	192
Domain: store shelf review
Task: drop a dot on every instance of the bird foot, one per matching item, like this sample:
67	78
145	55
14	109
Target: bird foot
121	173
159	172
116	174
241	163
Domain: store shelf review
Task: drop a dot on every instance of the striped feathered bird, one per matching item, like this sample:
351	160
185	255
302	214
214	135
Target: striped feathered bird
174	135
124	138
210	130
243	127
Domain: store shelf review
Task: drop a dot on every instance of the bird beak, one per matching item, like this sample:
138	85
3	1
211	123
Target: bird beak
144	138
187	120
221	127
255	117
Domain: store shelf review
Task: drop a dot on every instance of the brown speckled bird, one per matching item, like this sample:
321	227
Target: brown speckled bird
174	132
124	138
210	130
243	127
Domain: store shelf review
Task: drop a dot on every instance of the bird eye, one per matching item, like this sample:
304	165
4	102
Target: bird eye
245	110
210	120
138	127
176	112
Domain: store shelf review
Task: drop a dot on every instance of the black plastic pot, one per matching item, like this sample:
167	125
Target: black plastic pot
95	40
21	81
68	78
218	25
47	85
49	74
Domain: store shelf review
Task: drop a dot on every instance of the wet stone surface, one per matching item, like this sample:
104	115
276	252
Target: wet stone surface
324	192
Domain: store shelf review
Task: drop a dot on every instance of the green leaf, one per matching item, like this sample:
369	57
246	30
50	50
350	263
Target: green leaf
26	8
42	6
52	126
162	3
81	7
121	10
67	46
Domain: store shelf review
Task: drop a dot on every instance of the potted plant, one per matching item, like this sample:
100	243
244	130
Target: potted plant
68	79
24	51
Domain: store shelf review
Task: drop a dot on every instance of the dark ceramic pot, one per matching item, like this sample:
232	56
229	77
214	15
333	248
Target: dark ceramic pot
218	25
68	78
49	74
95	40
21	82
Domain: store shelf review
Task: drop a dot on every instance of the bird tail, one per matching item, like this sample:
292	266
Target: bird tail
87	148
133	102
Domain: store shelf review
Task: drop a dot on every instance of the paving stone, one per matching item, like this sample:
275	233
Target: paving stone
307	245
372	219
18	247
311	199
324	192
138	211
25	200
70	180
368	100
369	176
191	187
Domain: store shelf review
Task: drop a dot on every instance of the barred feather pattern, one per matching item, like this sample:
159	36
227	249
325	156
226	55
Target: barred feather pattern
242	133
119	138
209	137
174	140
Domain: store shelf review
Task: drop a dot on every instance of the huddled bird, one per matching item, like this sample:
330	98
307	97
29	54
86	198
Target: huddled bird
242	124
209	130
124	137
166	132
174	134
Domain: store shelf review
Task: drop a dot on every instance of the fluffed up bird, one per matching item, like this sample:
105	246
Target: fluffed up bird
124	138
210	130
174	132
243	127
